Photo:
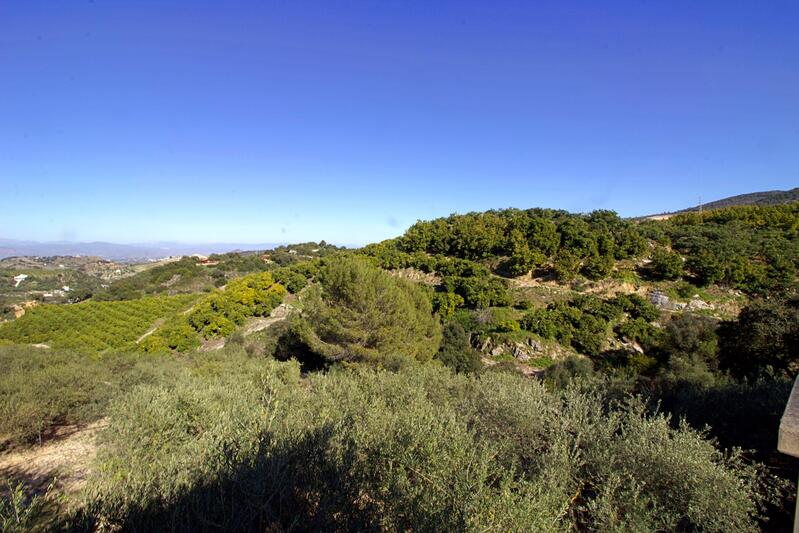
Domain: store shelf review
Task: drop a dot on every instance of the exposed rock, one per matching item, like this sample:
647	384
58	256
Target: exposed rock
499	350
486	345
697	304
520	352
535	345
660	300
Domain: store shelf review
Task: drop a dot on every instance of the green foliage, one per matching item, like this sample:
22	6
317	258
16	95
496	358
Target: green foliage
21	511
640	331
528	238
218	314
90	325
479	292
583	323
43	388
666	264
508	326
421	450
292	278
358	313
764	339
566	265
753	249
689	348
446	303
636	307
598	266
177	276
456	352
545	324
560	374
292	254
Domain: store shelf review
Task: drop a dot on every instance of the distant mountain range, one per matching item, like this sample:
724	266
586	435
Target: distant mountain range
752	198
121	252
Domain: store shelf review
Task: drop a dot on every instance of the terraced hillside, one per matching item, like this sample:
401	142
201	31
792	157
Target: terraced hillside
92	325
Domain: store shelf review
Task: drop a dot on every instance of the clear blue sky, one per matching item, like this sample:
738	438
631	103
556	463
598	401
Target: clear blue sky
348	120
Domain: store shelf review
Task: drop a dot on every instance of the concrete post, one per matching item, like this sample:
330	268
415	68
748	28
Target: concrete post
788	440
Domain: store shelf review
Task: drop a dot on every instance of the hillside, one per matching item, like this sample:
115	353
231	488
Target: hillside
512	330
763	198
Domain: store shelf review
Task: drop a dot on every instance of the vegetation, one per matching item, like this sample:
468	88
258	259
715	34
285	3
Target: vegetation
763	340
584	322
642	417
181	276
21	511
456	352
90	325
359	313
252	449
40	390
218	314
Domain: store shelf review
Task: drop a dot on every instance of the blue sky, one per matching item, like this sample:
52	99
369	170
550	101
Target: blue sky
348	120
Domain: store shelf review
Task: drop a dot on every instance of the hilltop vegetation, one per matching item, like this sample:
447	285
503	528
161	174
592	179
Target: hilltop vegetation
754	249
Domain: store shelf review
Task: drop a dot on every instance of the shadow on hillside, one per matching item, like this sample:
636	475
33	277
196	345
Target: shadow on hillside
294	488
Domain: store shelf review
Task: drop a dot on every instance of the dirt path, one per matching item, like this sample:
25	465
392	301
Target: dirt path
68	456
157	324
278	314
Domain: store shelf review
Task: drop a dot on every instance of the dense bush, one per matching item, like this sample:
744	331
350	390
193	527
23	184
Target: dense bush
40	389
763	340
456	351
583	323
666	264
421	450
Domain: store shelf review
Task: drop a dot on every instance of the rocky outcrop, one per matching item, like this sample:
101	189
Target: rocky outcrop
521	351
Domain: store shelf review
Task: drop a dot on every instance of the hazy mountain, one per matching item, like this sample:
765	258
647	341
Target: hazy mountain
121	252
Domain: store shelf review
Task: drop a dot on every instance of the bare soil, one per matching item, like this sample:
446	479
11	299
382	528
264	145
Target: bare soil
67	457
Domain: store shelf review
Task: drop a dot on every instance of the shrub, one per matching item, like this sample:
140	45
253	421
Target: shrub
456	352
508	326
21	511
422	450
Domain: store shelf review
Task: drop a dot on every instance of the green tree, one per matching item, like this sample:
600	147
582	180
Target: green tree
456	352
358	312
598	266
666	264
566	265
764	339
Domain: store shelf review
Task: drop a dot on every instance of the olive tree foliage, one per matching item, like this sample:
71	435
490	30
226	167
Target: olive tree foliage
419	450
358	312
